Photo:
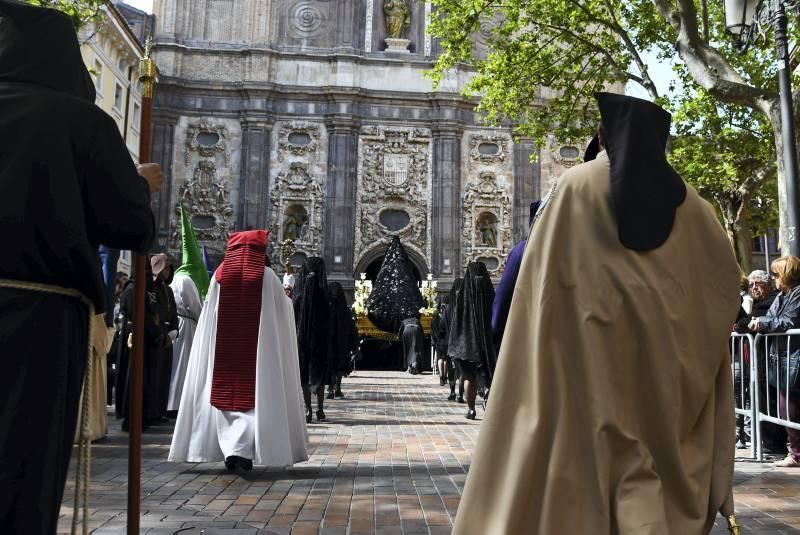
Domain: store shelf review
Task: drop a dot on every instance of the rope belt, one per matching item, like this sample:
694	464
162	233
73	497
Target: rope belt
84	444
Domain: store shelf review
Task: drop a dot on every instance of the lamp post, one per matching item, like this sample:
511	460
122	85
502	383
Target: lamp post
747	21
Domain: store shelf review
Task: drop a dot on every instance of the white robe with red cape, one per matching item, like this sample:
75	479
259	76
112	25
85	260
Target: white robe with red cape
274	433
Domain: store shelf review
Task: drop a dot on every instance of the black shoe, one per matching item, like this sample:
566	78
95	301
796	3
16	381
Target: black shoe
442	380
413	370
451	397
339	394
245	464
470	415
230	463
320	415
461	399
330	395
309	415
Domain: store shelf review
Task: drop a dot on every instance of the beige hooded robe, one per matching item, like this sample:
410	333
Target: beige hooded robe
611	410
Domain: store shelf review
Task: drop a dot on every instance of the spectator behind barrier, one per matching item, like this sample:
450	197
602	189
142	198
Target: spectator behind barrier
783	315
763	295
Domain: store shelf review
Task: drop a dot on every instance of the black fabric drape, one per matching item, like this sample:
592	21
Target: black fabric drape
344	337
312	319
168	321
470	337
153	353
395	295
39	391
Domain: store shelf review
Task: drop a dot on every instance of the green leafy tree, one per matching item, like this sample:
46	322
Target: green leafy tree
82	12
545	58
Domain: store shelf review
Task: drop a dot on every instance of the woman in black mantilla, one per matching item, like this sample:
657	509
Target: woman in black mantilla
440	332
344	339
470	342
312	318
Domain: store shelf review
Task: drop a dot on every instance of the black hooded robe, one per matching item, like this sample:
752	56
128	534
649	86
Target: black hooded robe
344	336
470	342
67	185
312	319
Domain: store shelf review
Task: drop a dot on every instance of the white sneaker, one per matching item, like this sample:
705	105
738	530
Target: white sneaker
788	462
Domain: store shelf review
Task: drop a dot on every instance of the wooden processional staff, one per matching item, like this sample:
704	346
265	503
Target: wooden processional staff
147	76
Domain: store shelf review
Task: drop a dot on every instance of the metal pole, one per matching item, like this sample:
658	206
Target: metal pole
147	72
790	172
766	253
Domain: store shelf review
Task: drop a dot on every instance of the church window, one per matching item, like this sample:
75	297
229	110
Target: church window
569	152
207	139
490	262
489	149
299	139
394	219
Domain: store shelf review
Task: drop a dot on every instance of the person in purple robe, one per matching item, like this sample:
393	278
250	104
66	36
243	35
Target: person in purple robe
505	289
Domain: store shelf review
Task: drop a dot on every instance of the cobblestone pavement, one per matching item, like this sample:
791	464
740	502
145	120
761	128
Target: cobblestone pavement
391	459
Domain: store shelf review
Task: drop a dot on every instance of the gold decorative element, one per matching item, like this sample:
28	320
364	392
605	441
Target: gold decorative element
733	526
397	16
367	329
287	250
147	70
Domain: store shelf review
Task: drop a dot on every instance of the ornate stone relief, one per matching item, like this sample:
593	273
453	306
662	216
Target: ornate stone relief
298	139
307	20
394	181
488	148
487	223
205	192
568	155
487	209
297	196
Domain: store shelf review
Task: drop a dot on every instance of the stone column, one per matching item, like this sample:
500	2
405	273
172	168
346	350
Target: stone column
253	207
446	204
162	152
527	178
340	197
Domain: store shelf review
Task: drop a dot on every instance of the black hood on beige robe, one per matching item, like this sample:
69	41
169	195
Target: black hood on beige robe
645	190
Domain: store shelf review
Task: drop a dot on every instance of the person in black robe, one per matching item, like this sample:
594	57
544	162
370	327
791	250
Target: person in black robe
168	324
395	295
344	339
68	185
470	342
154	342
312	318
442	337
413	340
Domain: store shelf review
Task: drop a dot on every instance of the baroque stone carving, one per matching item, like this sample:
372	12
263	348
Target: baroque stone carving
287	147
480	148
307	20
297	208
205	192
201	139
206	197
487	221
394	174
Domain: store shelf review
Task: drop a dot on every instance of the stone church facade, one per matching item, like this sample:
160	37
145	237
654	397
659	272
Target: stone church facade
313	118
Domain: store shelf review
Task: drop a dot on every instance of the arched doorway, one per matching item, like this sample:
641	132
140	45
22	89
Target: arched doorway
378	354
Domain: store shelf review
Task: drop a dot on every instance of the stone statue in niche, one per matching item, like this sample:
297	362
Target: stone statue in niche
295	224
487	230
397	16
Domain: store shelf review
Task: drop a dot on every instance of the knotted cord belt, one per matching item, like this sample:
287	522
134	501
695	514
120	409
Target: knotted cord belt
84	444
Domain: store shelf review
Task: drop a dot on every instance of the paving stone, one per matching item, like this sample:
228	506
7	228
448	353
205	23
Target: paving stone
390	460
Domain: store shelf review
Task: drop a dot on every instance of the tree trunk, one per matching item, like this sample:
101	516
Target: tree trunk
736	216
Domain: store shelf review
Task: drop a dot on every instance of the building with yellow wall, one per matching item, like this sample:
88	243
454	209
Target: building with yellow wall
111	52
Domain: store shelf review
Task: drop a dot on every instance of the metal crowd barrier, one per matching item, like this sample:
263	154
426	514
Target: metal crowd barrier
779	396
745	387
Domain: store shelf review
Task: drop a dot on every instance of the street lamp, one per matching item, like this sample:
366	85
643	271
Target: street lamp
747	20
